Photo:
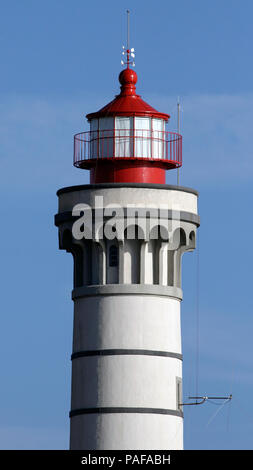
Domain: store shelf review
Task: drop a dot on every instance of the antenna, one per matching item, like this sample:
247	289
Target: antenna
178	131
129	52
204	399
128	32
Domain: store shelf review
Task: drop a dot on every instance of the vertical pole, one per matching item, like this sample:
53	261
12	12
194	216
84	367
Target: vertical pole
178	131
128	39
128	42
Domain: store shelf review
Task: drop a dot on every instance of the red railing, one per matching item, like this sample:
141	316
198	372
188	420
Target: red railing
123	143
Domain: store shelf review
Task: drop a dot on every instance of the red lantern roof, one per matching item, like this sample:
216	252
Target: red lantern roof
127	103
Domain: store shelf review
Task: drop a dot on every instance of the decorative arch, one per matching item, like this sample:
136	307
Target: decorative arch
179	237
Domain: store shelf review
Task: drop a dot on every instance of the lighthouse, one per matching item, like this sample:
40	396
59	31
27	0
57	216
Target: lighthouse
127	231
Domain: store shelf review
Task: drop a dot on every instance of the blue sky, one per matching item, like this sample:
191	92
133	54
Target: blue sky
59	61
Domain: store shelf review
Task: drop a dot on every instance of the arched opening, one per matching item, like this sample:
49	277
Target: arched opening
179	238
112	264
179	243
113	256
133	238
97	264
154	255
192	239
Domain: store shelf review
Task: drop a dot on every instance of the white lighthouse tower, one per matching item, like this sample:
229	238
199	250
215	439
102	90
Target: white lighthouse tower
127	231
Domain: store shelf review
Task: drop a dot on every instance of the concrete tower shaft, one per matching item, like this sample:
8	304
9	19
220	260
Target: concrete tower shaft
127	357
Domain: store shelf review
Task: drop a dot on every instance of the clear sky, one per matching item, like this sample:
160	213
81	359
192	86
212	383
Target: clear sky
59	61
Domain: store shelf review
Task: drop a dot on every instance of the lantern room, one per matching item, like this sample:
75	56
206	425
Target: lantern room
127	141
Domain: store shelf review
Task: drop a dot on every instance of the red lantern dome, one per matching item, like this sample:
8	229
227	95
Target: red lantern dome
127	141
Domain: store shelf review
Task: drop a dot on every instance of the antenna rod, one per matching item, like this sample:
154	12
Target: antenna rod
128	32
178	131
129	52
211	398
204	399
128	39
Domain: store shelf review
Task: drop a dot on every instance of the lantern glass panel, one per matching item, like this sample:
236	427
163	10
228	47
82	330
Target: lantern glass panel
142	133
158	138
106	137
124	136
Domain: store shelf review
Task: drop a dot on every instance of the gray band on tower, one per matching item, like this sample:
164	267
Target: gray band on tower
125	289
88	187
169	214
126	352
108	409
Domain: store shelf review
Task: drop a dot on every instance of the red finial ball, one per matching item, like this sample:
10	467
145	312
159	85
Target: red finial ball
128	77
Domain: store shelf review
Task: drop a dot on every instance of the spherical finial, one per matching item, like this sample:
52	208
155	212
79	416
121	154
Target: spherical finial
128	77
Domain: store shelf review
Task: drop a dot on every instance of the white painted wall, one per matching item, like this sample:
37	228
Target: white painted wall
146	322
125	381
127	321
128	431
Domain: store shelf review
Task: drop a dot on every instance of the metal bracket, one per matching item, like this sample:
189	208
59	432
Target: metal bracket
204	399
